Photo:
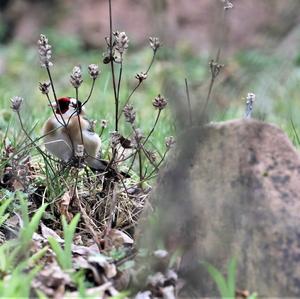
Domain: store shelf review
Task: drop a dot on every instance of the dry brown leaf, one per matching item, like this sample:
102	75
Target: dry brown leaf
52	281
63	206
48	232
118	238
97	292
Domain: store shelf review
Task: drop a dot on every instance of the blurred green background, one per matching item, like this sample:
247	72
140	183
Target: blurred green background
260	49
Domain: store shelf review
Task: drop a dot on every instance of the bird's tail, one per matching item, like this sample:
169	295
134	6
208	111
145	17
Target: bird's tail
103	166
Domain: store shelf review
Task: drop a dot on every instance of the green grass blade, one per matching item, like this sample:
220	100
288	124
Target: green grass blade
219	279
60	255
231	277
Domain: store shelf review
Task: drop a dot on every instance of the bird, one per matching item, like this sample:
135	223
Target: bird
68	131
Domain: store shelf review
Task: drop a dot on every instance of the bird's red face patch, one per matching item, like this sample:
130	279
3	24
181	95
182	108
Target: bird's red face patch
63	105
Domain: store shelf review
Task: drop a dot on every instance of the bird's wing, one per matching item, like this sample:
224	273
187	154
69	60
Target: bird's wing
90	126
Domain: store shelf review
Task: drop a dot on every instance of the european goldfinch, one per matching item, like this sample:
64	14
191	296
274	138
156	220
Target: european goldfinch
63	136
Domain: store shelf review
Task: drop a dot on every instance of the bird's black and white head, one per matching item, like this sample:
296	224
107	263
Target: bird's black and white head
67	106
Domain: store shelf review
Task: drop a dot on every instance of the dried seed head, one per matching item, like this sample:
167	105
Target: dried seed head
93	124
151	156
141	76
44	87
159	102
138	136
121	41
215	68
115	138
129	114
93	71
44	51
160	253
170	142
249	104
227	4
154	43
76	77
16	103
104	123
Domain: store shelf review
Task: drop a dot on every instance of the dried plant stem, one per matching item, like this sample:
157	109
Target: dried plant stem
153	128
138	84
91	226
50	104
129	97
149	159
211	84
112	67
78	117
44	155
217	59
90	94
113	205
139	153
157	166
132	162
151	62
189	101
140	165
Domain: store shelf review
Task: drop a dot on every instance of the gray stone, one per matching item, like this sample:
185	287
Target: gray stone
234	191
